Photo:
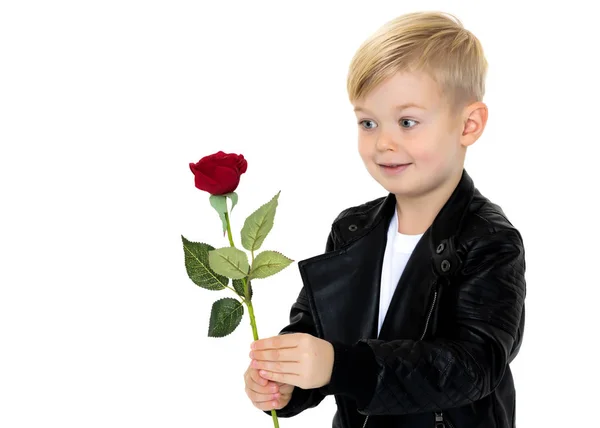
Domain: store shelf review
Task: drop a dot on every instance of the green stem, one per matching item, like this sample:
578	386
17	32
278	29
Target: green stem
248	302
229	228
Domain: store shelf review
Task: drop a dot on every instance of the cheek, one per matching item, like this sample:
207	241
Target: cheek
363	148
434	156
432	161
426	155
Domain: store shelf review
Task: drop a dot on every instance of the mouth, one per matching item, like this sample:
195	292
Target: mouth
394	168
393	165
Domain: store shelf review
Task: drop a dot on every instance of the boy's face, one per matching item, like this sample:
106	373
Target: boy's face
425	137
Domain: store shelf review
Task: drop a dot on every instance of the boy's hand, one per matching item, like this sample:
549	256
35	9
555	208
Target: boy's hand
264	394
298	359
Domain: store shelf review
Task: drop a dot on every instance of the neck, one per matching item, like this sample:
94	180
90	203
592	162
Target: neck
415	215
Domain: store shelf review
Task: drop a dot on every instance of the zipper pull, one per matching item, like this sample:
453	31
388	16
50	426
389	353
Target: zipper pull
439	420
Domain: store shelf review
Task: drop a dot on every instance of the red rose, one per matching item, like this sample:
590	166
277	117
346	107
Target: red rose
219	173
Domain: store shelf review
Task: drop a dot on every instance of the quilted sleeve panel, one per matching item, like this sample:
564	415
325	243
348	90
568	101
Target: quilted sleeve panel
463	365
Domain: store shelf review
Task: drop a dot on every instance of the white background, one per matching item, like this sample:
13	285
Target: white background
104	104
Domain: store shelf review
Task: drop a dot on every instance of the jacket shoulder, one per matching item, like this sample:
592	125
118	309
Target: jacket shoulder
361	209
361	215
485	219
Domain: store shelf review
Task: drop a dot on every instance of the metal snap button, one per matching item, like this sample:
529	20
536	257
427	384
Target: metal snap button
445	266
352	227
440	248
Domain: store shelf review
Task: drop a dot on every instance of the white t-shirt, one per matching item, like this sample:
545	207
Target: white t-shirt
398	249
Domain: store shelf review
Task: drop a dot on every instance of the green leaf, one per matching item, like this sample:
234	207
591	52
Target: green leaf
219	203
238	286
234	198
198	267
258	225
225	316
229	261
269	263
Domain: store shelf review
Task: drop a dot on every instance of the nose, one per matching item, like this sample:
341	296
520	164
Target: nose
385	141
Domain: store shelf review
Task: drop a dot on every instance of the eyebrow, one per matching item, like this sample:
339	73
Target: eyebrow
397	108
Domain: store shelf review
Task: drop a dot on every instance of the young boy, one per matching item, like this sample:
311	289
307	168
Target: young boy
415	310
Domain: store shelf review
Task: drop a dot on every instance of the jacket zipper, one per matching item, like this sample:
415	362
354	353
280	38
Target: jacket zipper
422	336
439	416
429	315
366	419
439	421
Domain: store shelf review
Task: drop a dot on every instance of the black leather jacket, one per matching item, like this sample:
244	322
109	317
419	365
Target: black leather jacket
454	324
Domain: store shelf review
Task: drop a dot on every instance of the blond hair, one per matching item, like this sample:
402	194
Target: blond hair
431	42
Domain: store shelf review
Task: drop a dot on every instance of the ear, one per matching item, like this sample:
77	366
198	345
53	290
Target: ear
474	118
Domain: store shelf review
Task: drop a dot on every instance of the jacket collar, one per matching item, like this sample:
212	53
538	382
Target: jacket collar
446	224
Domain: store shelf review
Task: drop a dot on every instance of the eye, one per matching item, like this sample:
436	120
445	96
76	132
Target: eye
404	121
367	120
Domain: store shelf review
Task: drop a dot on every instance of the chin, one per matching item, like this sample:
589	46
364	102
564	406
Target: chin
396	188
402	186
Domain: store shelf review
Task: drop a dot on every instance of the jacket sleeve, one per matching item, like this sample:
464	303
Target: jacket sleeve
301	321
464	361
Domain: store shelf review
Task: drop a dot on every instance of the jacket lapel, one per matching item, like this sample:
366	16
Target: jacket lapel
343	285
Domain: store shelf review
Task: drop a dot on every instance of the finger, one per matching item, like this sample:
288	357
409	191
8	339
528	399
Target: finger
289	340
277	366
258	397
281	354
262	388
253	374
247	375
292	379
280	403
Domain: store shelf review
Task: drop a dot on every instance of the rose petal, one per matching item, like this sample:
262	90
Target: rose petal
228	179
242	164
206	183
